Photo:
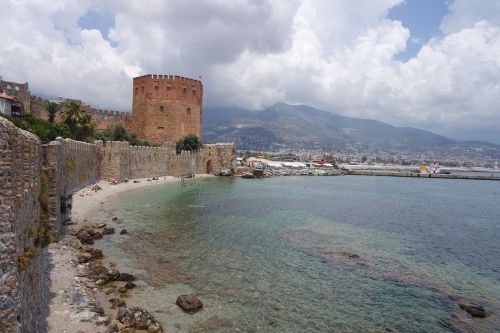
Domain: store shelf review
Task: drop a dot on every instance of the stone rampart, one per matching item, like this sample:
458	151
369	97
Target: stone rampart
101	117
219	157
22	235
114	157
70	166
35	182
121	161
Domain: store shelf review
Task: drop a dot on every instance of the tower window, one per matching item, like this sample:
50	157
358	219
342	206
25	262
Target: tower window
161	108
168	88
188	111
142	89
194	92
184	91
157	85
136	90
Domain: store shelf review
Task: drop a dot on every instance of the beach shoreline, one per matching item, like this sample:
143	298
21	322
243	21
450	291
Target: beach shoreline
76	303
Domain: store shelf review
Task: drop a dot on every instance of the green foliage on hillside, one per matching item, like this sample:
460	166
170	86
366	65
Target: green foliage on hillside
45	130
189	142
119	133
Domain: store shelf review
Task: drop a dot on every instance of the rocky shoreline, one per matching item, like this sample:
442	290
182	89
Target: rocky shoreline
85	294
91	280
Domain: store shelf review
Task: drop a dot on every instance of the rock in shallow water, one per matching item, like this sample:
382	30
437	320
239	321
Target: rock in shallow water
474	310
130	285
108	231
189	303
138	318
117	303
115	275
350	255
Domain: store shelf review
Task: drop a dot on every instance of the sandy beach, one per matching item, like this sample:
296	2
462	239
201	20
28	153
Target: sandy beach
77	303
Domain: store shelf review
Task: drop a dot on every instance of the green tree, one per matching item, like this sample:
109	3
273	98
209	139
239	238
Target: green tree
51	108
45	130
78	121
119	133
189	142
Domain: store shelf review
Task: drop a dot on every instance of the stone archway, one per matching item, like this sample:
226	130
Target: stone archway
209	167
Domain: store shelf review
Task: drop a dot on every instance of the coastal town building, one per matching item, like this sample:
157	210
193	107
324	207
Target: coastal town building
20	93
6	103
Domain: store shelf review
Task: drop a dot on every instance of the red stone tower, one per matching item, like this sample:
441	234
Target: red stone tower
166	107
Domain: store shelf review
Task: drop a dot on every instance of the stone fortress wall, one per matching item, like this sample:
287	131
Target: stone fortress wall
121	161
35	181
164	109
69	165
21	228
102	117
219	157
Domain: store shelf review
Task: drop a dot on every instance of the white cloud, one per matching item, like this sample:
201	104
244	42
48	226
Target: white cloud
251	53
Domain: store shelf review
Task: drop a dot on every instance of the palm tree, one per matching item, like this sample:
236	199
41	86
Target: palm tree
78	120
51	108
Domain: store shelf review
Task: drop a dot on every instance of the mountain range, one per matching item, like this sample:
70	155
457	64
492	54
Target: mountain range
284	126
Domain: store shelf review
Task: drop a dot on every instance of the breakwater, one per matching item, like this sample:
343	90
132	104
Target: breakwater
417	175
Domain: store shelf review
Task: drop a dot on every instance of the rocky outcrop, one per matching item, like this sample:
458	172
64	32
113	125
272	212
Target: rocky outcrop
248	175
225	173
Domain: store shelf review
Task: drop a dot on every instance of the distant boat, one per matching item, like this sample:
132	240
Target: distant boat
443	172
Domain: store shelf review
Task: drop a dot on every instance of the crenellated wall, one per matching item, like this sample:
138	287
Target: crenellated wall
119	161
70	166
101	117
36	180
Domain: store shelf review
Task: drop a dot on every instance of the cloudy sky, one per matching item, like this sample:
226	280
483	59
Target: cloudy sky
432	64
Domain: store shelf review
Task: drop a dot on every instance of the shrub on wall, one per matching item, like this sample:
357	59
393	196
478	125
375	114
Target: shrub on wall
120	133
189	142
45	130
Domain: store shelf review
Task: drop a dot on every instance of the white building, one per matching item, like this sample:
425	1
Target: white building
6	104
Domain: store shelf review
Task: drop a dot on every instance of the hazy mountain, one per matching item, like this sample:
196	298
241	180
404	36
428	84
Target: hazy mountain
300	126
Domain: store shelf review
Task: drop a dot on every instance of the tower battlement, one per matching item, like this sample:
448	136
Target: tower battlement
166	107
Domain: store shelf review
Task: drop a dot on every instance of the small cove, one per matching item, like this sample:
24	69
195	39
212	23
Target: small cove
281	254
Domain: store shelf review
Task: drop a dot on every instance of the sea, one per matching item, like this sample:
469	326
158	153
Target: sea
312	254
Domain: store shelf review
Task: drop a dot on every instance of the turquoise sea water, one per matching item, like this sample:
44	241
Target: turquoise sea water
314	254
